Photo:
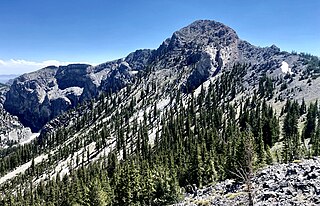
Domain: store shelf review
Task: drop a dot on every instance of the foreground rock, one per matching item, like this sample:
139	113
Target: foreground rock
282	184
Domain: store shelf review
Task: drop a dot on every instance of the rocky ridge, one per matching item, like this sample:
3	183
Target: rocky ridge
11	130
38	97
281	184
192	55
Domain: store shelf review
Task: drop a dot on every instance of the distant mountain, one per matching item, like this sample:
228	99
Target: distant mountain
2	85
5	78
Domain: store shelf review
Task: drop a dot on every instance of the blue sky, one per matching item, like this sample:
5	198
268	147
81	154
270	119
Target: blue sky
35	33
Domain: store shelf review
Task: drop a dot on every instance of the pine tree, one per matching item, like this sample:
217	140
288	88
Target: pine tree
269	159
316	141
261	154
148	187
98	197
303	107
310	125
199	167
290	132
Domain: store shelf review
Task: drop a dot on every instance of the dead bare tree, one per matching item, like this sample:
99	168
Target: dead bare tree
244	171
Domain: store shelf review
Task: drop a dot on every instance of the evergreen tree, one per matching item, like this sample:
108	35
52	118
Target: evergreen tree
310	125
261	154
98	197
290	133
316	141
269	159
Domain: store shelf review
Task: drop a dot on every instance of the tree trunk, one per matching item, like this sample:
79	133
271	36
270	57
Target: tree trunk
250	199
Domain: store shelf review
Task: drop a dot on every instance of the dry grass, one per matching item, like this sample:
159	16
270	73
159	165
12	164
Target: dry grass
234	195
205	202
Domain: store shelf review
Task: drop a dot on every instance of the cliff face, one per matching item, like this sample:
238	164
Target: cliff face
11	130
40	96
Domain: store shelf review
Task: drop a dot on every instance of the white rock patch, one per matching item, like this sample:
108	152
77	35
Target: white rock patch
29	138
57	93
22	168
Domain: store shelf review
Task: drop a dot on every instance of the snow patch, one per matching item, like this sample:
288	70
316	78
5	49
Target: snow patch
133	72
125	64
285	68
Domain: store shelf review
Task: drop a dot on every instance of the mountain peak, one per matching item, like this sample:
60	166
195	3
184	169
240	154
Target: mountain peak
206	31
204	24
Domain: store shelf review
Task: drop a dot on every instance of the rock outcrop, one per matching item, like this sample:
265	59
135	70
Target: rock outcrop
11	130
38	97
281	184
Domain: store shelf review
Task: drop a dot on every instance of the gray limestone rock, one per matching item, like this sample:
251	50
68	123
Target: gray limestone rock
194	54
268	188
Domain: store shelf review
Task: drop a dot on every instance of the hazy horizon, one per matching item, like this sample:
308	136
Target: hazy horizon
4	78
